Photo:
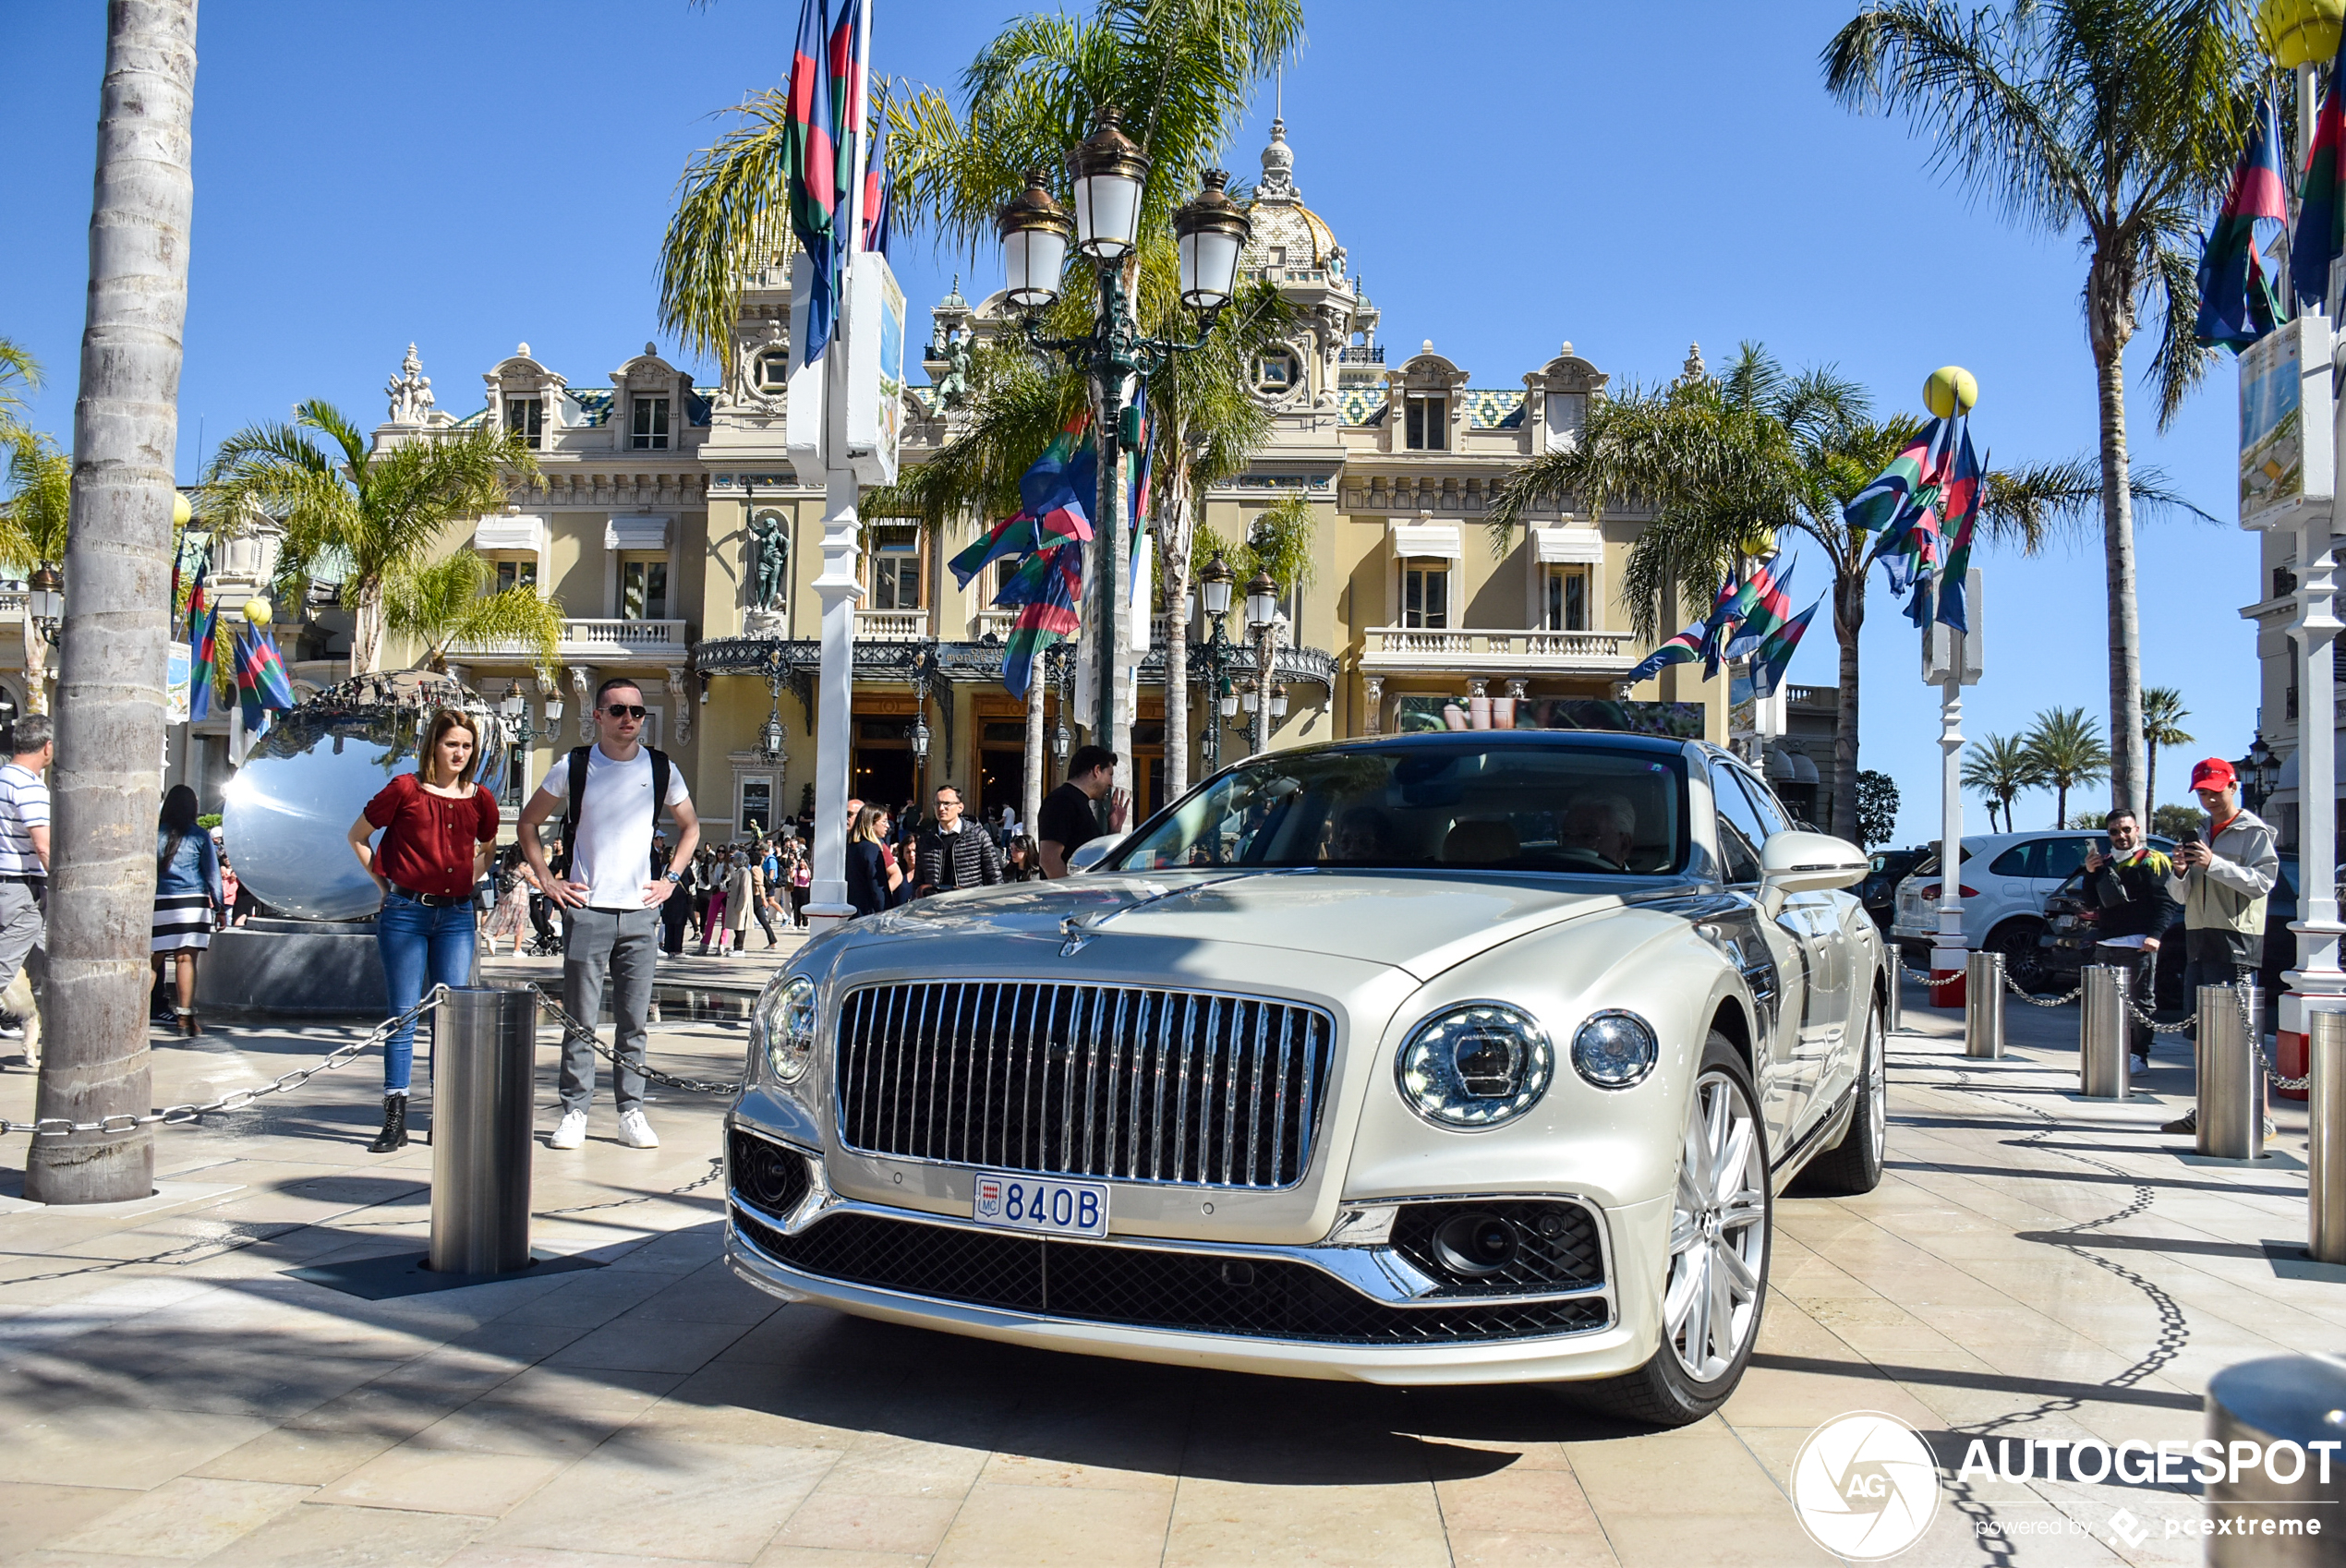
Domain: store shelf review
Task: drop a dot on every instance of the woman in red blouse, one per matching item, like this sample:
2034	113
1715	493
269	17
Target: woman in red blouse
438	830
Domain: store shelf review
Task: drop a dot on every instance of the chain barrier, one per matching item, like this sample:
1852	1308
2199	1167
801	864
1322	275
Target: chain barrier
2035	1001
236	1099
578	1031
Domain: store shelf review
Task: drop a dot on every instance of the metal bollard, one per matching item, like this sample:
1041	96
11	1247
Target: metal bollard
2252	1408
1983	1013
2231	1085
481	1146
2101	1034
2325	1158
1897	1020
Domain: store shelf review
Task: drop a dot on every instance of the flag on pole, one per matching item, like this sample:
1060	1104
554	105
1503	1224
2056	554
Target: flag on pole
1047	590
203	624
1962	501
1726	614
1770	607
262	685
2238	300
879	194
1768	664
1889	503
1684	648
1136	490
2321	210
811	164
845	70
1063	467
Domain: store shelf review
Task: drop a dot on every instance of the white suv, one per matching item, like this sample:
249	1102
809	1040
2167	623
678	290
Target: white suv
2006	877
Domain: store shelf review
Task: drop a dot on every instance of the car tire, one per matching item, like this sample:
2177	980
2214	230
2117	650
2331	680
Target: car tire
1854	1165
2024	961
1667	1391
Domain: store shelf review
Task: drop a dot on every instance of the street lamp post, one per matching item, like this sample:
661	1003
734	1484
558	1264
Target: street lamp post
1110	172
1214	584
1263	620
44	601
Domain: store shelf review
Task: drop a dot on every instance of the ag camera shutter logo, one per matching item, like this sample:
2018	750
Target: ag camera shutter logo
1865	1486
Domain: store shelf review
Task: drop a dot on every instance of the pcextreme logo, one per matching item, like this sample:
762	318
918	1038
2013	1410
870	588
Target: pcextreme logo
1865	1486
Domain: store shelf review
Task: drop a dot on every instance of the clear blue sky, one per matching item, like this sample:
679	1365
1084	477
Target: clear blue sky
468	177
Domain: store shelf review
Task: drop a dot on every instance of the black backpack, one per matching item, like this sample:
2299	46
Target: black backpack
578	794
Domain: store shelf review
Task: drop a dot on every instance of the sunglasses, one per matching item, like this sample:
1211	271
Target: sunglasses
625	710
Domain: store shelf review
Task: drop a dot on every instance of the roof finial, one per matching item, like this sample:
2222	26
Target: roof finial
1278	167
1694	370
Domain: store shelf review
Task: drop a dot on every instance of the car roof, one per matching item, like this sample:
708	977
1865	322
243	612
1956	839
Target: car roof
1603	740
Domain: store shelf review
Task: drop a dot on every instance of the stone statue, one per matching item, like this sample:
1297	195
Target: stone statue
769	561
410	392
953	387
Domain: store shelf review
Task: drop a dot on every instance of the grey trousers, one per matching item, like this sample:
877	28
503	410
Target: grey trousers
21	930
618	945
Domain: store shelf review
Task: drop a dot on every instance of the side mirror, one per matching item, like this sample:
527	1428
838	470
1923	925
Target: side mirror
1089	855
1793	861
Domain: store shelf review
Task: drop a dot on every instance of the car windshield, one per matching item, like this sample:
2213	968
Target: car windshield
1556	808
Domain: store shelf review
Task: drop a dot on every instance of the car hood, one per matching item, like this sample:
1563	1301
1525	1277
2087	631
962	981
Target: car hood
1417	922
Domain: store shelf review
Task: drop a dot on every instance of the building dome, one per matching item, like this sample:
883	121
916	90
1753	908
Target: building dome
1286	234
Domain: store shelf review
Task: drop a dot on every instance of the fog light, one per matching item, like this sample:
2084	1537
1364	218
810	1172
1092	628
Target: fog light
1473	1245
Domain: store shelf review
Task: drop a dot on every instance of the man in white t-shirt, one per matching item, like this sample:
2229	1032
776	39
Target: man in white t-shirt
610	897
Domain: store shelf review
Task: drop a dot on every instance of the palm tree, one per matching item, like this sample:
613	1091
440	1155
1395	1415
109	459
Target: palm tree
2116	120
2000	767
2066	750
446	602
35	522
376	513
19	373
117	555
2163	716
1748	456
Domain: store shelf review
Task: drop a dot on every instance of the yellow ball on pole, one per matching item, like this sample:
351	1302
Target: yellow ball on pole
181	512
1950	389
257	610
2300	32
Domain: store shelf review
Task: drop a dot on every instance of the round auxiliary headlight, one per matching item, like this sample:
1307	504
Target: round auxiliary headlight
1475	1066
1614	1050
784	1023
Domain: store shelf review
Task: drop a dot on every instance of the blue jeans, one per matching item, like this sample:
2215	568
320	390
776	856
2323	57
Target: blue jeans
421	948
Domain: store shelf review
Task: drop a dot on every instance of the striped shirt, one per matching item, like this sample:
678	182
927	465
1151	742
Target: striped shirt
24	805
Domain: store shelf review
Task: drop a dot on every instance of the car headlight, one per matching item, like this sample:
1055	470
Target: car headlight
1475	1066
782	1027
1614	1050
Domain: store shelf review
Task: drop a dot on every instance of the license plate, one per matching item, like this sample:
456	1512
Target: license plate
1038	1203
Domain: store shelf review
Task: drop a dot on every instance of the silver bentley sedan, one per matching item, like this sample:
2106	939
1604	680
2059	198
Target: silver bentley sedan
1446	1058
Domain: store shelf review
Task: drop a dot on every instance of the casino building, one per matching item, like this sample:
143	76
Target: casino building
647	523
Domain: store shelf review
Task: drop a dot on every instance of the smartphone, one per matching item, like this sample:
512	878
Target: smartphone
2188	836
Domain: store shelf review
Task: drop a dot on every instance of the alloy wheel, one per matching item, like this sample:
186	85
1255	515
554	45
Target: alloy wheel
1877	1071
1718	1231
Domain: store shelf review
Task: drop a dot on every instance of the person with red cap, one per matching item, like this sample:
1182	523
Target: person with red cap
2221	881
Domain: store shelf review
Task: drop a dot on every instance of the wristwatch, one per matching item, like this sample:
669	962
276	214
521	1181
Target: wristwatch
676	877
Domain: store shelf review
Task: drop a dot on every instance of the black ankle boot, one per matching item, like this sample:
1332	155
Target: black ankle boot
395	1132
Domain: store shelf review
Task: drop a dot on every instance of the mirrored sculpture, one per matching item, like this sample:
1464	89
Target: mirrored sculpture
287	813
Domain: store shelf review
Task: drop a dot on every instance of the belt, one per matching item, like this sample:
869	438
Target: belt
27	881
433	900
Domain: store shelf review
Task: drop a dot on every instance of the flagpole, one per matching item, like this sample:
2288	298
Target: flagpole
839	587
1949	386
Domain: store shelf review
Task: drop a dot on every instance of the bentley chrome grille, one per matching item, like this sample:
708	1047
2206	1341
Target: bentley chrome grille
1128	1083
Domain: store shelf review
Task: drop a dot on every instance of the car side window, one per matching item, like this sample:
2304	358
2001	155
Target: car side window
2064	855
1740	832
2021	860
1772	818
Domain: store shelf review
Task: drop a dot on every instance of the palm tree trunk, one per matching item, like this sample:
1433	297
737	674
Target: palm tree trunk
110	714
2151	780
1848	619
366	630
2118	542
2061	806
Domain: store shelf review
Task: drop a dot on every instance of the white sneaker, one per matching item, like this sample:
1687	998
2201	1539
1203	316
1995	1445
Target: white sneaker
635	1132
572	1134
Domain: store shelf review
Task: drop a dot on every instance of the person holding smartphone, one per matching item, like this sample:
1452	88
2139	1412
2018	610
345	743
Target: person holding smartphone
2125	884
2223	884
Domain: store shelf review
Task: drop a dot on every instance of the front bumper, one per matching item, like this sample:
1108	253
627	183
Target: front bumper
1352	1312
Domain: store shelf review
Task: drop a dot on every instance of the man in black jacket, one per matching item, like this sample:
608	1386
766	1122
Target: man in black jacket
952	854
2127	890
